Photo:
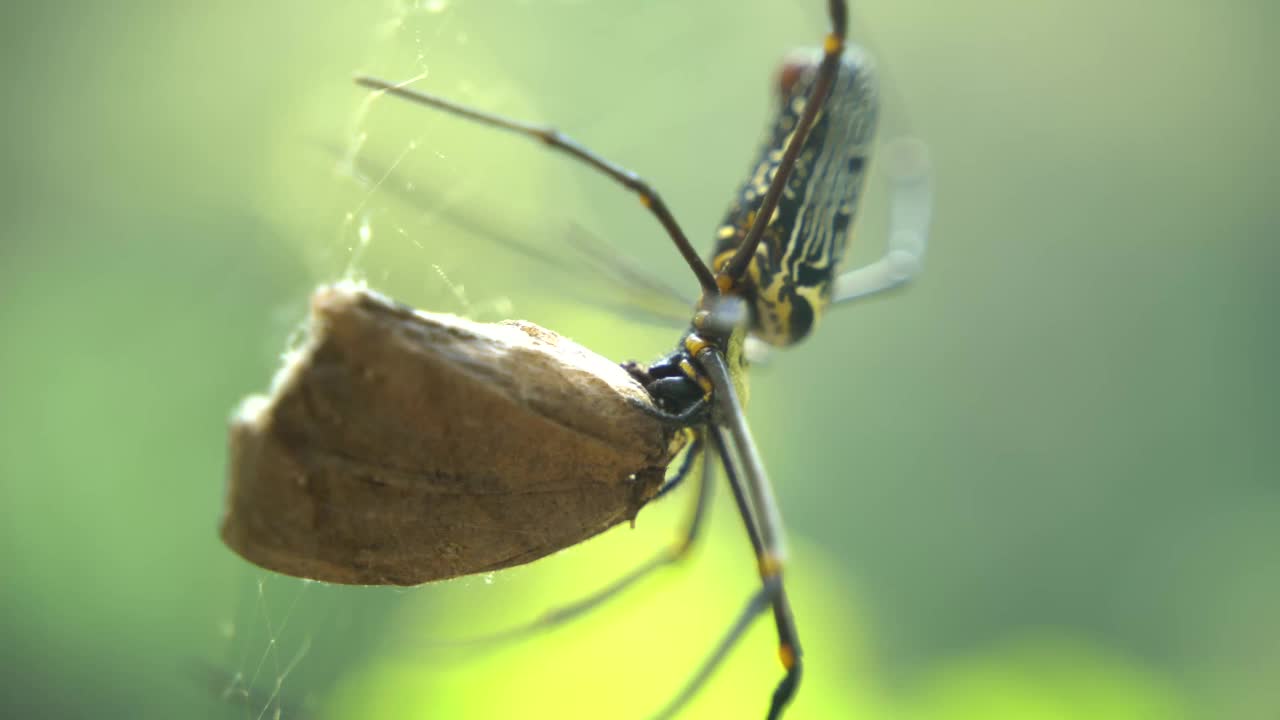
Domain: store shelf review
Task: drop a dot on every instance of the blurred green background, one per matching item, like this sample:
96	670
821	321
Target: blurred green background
1042	484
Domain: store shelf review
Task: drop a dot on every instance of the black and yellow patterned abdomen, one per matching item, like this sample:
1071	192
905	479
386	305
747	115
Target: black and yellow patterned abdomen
788	283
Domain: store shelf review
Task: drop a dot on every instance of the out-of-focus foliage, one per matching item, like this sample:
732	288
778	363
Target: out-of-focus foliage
1040	484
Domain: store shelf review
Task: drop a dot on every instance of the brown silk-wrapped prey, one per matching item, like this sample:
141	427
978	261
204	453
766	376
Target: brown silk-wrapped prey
400	447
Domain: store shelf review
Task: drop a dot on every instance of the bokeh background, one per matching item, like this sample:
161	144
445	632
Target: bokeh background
1043	483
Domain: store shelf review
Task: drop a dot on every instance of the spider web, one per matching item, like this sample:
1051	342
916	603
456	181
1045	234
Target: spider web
257	686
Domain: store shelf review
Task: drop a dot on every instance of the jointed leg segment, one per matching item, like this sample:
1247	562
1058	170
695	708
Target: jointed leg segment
910	211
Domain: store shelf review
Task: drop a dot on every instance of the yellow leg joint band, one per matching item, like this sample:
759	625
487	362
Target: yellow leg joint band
787	655
770	566
705	384
695	344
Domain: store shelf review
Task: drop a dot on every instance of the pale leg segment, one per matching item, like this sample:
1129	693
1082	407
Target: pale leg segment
910	212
